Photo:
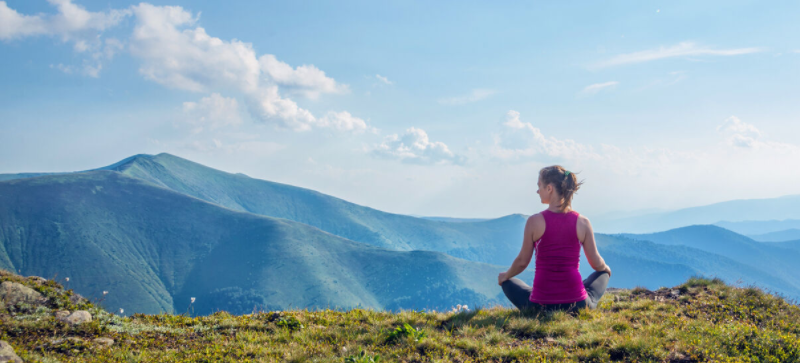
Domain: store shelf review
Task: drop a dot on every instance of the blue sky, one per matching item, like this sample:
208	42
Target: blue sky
446	108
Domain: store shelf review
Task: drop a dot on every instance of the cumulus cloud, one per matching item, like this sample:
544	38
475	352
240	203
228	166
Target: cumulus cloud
739	133
343	121
474	96
683	49
213	111
72	23
383	79
597	87
743	135
178	54
414	147
522	139
306	79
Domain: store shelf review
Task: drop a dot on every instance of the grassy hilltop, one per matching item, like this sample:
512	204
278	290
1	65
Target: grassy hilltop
700	320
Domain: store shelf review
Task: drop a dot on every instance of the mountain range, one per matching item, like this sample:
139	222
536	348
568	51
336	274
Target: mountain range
725	214
156	230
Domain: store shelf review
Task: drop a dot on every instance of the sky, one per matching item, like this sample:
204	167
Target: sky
446	108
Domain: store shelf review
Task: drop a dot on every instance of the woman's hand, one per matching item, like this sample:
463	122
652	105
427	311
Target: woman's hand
608	269
502	277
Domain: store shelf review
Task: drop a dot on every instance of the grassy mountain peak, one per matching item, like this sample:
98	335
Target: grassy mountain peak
699	320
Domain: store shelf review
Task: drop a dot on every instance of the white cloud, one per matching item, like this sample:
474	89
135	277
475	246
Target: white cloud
414	147
305	79
747	136
343	121
597	87
213	111
522	140
62	68
474	96
71	21
683	49
383	79
734	125
739	133
178	56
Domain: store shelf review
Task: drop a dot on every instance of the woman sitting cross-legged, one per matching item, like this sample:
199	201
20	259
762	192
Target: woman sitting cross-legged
556	235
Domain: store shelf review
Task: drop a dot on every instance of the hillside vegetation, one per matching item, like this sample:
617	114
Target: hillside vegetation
153	249
700	320
494	241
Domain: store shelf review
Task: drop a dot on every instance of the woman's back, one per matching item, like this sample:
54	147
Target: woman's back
557	279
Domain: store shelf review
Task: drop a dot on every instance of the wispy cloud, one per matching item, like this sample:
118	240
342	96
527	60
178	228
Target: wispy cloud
384	79
683	49
476	95
597	87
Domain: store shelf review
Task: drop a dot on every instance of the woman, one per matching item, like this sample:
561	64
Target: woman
556	235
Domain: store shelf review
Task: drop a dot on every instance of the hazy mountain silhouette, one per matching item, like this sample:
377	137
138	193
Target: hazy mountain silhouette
153	249
760	227
787	207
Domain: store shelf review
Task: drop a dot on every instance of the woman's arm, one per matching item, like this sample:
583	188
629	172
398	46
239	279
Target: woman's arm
590	247
533	231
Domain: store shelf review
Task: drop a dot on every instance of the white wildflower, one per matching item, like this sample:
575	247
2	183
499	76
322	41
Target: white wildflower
192	300
105	292
67	279
121	311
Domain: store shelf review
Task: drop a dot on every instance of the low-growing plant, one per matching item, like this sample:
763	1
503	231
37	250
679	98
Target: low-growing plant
362	357
404	331
289	322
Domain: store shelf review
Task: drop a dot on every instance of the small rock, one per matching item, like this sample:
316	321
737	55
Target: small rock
77	317
71	340
13	293
7	353
106	342
77	299
675	292
344	349
550	340
37	280
61	314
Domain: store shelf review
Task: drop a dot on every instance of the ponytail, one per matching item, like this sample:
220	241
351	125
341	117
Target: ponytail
565	182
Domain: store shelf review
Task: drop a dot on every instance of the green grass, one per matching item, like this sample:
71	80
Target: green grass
710	321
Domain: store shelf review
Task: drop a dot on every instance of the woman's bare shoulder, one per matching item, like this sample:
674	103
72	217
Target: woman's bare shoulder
584	221
536	218
535	221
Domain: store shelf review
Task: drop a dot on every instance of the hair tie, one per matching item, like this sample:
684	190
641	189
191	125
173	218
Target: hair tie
566	173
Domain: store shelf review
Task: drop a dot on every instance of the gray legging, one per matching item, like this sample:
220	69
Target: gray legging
518	293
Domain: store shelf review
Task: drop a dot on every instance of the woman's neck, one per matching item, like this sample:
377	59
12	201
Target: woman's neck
555	207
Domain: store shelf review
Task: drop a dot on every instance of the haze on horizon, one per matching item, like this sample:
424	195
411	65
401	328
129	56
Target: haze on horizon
445	109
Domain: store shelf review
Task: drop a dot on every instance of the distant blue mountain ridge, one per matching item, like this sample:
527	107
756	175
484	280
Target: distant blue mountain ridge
145	206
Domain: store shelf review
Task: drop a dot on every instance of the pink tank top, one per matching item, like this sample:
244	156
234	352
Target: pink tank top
557	279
